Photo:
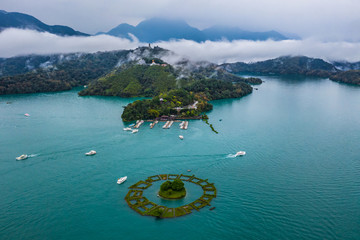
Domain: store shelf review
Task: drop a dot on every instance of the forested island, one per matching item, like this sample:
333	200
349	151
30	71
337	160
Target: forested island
172	190
174	90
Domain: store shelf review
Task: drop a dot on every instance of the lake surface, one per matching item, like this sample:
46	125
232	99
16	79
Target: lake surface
300	178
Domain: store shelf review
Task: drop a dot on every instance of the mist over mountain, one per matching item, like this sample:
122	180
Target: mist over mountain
157	29
25	21
58	72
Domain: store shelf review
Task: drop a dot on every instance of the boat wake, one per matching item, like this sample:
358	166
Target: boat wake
33	155
231	156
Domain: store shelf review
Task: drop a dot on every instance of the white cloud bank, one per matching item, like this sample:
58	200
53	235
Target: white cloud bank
14	42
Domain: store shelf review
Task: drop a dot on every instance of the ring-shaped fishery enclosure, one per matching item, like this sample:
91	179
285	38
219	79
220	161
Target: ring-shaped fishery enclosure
143	206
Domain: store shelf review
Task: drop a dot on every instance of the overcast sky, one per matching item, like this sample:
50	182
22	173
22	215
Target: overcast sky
330	20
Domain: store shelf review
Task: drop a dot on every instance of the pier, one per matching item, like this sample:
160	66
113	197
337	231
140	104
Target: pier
153	123
138	123
168	124
184	125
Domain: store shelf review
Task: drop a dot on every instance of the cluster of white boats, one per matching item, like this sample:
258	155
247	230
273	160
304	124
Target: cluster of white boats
132	130
168	124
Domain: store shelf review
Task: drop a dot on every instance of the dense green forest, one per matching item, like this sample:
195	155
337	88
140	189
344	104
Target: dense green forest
300	65
350	77
162	81
76	70
134	80
285	65
201	91
165	104
57	72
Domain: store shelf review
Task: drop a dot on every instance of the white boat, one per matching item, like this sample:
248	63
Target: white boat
127	129
27	115
22	157
92	152
135	131
240	153
181	137
121	180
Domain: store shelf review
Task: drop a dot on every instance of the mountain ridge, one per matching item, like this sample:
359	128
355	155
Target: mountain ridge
158	29
25	21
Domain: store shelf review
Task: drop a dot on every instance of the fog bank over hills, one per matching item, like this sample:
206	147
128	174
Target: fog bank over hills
16	42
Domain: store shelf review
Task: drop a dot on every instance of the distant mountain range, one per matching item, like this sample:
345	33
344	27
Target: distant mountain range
24	21
157	29
149	31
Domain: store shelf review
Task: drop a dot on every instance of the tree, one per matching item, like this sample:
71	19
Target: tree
177	185
154	113
165	186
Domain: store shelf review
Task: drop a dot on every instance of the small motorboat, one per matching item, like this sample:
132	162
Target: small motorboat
240	153
121	180
22	157
92	152
127	129
27	115
135	131
189	170
181	137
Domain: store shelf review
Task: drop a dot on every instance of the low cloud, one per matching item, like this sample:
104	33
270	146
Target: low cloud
16	42
252	51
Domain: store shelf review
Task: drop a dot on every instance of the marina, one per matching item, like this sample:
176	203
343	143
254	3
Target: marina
135	126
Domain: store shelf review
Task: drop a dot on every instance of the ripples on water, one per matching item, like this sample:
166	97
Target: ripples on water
299	179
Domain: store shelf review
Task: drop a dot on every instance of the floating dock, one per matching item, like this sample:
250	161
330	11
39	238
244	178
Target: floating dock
153	123
138	123
168	124
184	125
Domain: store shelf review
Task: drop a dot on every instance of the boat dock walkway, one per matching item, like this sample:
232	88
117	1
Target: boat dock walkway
168	124
184	125
153	123
138	123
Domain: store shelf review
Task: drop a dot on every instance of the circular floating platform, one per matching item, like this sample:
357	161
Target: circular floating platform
143	206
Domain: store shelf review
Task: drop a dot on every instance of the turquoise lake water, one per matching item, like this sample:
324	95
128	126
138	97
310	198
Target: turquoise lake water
300	178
